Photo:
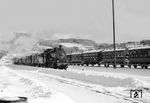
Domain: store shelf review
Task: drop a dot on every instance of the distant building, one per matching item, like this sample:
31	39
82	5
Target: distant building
134	45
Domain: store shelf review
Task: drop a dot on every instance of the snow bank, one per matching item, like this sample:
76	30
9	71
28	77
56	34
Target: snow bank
13	84
116	84
109	83
133	80
105	79
55	98
117	91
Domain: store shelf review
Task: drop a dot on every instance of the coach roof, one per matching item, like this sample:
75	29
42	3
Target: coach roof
76	53
108	50
93	51
144	47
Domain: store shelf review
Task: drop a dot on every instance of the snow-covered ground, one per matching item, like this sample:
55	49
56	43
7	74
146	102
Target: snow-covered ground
91	84
13	84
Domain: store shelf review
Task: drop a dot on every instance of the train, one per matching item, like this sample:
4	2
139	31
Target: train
139	56
58	59
51	58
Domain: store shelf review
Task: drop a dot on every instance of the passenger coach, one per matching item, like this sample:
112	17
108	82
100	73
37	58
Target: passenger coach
139	57
92	57
76	58
121	57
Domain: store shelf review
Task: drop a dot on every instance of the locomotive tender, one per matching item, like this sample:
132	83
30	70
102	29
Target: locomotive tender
53	58
131	57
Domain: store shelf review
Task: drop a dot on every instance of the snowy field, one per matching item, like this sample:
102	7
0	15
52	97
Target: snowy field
81	84
13	84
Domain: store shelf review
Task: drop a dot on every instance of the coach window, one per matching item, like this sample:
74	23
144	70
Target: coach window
129	53
148	52
132	54
134	51
122	53
106	53
119	54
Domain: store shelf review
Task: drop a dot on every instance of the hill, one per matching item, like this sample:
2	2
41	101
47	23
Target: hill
79	45
25	42
70	45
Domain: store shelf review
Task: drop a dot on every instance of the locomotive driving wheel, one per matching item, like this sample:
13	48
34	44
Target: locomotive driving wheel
146	67
129	65
135	66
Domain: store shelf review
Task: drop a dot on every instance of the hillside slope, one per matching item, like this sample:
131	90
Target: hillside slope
70	45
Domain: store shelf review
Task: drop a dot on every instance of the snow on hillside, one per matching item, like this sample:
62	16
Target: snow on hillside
80	46
38	47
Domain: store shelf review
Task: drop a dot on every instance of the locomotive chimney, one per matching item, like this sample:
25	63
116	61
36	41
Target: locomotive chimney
60	46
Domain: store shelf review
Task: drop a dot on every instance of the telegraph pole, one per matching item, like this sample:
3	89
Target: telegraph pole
114	41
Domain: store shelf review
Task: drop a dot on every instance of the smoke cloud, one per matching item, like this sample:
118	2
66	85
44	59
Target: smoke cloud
24	41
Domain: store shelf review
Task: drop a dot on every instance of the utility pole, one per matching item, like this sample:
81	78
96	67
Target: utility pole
114	41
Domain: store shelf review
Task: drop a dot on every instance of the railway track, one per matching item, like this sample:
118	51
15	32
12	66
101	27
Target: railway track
102	91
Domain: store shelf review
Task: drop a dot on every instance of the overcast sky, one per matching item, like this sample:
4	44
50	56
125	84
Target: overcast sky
89	19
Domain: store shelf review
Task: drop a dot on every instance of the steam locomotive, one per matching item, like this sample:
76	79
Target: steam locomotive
131	57
52	58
